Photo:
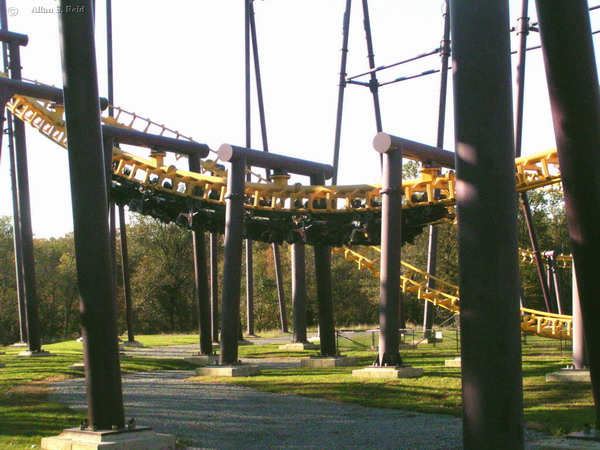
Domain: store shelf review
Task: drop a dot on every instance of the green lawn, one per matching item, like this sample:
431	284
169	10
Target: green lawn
26	415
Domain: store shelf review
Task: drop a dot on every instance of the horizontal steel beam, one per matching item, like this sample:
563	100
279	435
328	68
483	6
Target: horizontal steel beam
155	141
384	142
273	161
9	36
40	91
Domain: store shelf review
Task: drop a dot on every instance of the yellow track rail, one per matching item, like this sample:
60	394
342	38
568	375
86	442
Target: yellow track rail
48	118
447	296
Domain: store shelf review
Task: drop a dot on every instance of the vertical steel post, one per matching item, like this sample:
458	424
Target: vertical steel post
24	217
391	245
109	142
90	217
299	292
487	226
249	289
554	279
324	291
265	141
249	256
580	359
232	265
571	72
523	32
537	255
125	274
202	292
16	230
17	240
373	82
341	89
201	287
434	231
280	293
214	285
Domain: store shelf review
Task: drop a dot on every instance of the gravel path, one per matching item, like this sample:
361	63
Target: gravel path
211	415
227	416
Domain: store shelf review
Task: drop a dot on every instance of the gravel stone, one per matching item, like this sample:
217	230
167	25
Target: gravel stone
213	415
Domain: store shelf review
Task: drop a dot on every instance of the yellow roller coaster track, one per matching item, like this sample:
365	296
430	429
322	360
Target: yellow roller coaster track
48	118
210	187
562	261
447	296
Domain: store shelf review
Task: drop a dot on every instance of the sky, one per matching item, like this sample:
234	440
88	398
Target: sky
181	63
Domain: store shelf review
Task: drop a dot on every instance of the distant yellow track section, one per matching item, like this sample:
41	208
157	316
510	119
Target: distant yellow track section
447	296
562	261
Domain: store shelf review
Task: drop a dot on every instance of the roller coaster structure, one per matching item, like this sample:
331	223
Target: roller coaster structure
139	182
325	216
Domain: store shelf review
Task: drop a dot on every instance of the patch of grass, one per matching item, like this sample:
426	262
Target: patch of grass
166	340
26	414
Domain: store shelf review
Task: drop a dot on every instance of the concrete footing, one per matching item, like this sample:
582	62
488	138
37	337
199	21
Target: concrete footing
132	344
237	370
20	345
321	362
569	376
202	360
388	372
453	362
299	346
140	438
30	354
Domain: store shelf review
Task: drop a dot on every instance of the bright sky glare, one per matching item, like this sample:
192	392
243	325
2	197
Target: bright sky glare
181	63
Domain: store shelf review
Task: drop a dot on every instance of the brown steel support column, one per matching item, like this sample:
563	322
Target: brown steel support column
324	291
487	226
572	77
433	230
299	292
553	279
125	274
373	82
341	89
232	265
523	32
24	217
391	245
201	286
17	244
280	292
249	290
537	255
214	285
580	359
16	231
90	217
202	292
